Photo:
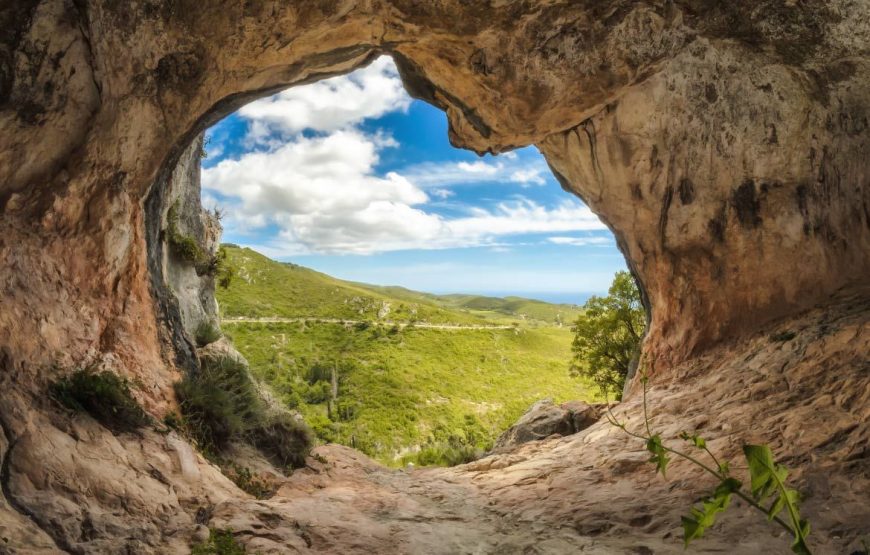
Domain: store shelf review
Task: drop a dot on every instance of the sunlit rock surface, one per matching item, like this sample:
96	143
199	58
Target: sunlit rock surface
724	143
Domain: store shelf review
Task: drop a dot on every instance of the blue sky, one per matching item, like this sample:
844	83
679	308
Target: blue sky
352	177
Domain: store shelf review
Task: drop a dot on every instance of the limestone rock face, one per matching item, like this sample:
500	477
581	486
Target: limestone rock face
545	419
724	143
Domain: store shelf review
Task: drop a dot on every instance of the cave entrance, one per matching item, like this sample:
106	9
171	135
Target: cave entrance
407	298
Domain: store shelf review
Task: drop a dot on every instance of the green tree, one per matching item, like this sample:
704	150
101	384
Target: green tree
607	335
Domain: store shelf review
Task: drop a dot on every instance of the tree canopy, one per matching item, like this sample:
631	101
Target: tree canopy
607	335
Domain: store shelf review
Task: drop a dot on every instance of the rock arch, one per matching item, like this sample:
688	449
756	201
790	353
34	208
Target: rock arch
724	143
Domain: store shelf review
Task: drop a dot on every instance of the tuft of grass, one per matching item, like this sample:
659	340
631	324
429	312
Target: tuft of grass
221	404
103	395
220	542
444	454
207	332
284	439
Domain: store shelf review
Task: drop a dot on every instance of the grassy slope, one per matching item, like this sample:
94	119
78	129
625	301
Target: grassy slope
265	288
498	308
397	388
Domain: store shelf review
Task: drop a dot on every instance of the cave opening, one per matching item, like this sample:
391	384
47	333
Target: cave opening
405	297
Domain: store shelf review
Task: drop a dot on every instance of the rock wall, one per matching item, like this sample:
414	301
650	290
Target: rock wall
724	143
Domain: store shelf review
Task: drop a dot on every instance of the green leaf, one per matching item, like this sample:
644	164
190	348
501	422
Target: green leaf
767	479
659	455
701	518
694	439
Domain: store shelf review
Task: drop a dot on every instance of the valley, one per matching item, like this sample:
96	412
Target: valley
405	377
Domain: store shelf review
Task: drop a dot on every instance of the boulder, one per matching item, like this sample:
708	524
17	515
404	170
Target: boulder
545	418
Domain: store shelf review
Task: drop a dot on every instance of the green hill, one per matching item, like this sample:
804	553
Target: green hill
265	288
389	386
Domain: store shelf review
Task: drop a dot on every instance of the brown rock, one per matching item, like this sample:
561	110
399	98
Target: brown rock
724	144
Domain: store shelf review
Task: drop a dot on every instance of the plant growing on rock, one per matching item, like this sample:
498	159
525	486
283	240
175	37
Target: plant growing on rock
768	492
103	395
187	248
220	542
220	403
207	332
607	335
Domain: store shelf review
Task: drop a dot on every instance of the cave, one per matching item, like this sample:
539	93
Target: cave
725	145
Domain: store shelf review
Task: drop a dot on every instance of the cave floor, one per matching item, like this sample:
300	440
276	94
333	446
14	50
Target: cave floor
803	387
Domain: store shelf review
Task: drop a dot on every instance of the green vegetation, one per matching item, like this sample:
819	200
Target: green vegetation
247	481
103	395
220	542
607	335
187	248
399	390
207	332
767	483
265	288
389	386
501	309
221	403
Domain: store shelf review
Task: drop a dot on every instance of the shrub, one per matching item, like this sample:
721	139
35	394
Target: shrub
318	393
187	248
220	542
220	402
207	332
285	440
183	245
319	373
447	454
103	395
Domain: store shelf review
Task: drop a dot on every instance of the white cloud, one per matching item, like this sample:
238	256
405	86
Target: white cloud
528	177
323	195
479	167
442	193
510	170
331	104
580	241
295	194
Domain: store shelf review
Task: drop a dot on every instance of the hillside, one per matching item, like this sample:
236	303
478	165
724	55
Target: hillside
265	288
401	392
499	308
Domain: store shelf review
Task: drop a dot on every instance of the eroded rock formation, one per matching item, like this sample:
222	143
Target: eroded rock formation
724	143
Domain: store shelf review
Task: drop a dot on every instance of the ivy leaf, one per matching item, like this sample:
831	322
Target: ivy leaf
703	517
659	455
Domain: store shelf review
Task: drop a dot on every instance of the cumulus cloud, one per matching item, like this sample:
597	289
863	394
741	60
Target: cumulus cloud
324	195
321	192
331	104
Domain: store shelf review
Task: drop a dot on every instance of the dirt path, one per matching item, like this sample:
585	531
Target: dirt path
389	323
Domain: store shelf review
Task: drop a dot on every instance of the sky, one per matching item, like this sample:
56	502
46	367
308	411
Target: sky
352	177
